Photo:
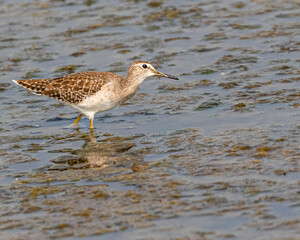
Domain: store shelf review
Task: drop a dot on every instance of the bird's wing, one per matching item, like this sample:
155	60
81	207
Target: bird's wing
76	87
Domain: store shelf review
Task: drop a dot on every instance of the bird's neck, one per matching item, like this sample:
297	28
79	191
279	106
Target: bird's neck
133	80
131	83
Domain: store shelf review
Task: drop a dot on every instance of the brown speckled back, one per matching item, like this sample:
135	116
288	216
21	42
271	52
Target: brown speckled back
72	88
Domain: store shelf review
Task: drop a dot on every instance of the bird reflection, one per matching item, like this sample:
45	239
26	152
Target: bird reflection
103	154
112	151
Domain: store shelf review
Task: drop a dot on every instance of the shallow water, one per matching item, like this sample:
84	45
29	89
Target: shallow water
212	156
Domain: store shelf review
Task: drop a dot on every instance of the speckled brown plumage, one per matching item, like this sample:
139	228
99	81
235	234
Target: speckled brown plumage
35	85
72	88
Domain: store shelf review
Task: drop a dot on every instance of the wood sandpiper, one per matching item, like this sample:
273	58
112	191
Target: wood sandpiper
91	92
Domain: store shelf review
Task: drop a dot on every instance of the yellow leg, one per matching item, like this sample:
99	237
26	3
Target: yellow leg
77	120
91	124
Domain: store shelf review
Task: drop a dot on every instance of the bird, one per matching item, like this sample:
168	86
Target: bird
93	91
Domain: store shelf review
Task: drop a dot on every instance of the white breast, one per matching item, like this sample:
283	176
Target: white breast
105	99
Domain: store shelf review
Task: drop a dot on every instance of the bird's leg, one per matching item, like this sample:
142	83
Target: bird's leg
77	120
91	124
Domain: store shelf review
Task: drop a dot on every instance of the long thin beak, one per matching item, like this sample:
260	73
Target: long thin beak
160	74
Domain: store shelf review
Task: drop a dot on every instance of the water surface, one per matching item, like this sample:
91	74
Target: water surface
212	156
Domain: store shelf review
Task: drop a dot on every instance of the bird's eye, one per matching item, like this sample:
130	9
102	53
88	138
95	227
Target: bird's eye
144	66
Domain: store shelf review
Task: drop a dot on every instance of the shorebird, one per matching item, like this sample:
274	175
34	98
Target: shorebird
92	92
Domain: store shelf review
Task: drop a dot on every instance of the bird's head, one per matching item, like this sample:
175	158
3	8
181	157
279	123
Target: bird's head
143	69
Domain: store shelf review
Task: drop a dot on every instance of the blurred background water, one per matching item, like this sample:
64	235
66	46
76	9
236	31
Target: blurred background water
212	156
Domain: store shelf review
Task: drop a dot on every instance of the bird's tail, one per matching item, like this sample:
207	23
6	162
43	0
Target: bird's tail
35	85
